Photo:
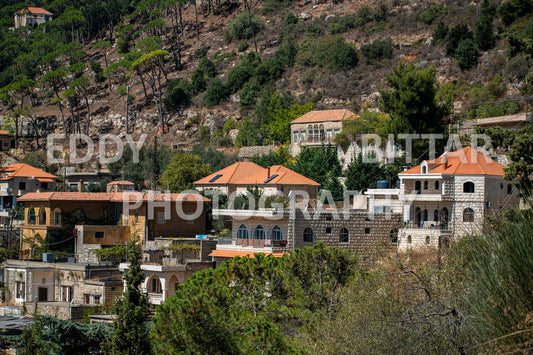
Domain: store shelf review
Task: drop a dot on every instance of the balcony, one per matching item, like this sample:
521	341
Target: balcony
426	225
261	243
420	195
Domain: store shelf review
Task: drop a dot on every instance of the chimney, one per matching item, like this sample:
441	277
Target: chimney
268	172
80	185
445	161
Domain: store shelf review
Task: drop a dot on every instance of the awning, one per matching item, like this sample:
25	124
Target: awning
45	180
233	253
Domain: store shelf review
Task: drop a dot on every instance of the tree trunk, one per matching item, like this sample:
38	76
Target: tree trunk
247	5
127	113
196	15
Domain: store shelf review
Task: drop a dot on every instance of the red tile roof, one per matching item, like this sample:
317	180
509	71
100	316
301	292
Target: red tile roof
466	161
231	174
324	116
111	197
3	132
24	170
34	10
122	182
234	253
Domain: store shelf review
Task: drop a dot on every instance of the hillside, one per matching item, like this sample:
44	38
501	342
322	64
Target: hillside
326	54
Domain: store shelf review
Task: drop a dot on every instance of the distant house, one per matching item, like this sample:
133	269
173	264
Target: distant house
236	178
316	128
17	180
513	122
32	16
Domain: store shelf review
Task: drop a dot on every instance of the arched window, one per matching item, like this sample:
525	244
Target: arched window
310	133
394	236
436	215
308	235
42	215
57	217
242	232
259	232
277	234
428	239
316	133
31	216
501	186
437	185
426	185
418	186
509	189
469	187
468	215
344	235
444	215
425	215
418	216
322	133
424	169
409	239
154	285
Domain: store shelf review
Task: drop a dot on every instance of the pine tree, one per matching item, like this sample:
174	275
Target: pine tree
130	331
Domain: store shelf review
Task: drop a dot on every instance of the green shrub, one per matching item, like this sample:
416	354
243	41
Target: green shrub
237	77
270	69
240	27
291	19
178	94
207	67
440	32
335	53
199	83
455	35
466	54
249	93
483	30
243	46
512	10
431	14
216	93
378	49
313	31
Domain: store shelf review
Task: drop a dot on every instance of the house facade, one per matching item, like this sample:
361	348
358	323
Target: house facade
17	180
32	16
316	128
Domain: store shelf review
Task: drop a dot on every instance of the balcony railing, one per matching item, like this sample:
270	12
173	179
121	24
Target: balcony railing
261	243
426	225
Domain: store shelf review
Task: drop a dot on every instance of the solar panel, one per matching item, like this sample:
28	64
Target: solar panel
271	178
216	177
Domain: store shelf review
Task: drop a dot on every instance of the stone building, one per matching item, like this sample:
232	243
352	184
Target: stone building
6	141
451	196
17	180
102	219
61	289
316	128
32	16
169	262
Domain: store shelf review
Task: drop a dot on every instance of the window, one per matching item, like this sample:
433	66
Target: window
335	132
310	132
242	232
344	235
259	232
277	234
418	186
426	185
31	216
136	216
393	236
436	215
66	293
57	218
86	298
469	187
99	235
308	235
424	170
155	285
160	218
44	185
328	134
302	136
509	189
428	239
501	186
295	137
329	217
322	133
96	299
42	216
20	289
22	185
437	185
409	239
367	230
468	215
425	215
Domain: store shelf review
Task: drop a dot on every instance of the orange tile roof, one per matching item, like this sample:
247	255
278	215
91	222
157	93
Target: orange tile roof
34	10
3	132
232	173
250	254
24	170
466	161
122	182
111	197
324	116
285	176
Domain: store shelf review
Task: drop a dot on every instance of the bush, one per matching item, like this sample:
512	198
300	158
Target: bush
430	14
199	84
178	94
466	54
313	31
270	69
249	93
200	53
378	49
335	53
440	32
484	33
512	10
240	27
216	93
291	19
243	46
455	35
207	67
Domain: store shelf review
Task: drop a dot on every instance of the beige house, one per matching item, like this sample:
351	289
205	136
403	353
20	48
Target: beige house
316	128
32	16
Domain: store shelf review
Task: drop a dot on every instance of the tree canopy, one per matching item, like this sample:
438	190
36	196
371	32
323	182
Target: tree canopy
183	169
